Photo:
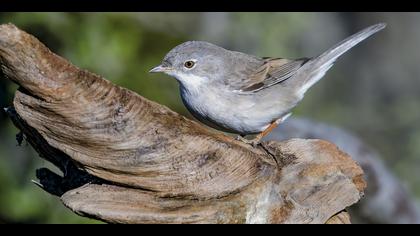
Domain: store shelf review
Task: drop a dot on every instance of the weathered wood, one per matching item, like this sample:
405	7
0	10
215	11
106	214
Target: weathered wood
129	160
341	218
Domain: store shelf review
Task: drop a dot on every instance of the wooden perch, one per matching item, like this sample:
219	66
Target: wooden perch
126	159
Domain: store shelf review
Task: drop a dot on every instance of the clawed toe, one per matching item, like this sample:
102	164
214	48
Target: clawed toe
253	142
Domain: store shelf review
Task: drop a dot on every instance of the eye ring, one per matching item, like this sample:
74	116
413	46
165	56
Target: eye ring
189	64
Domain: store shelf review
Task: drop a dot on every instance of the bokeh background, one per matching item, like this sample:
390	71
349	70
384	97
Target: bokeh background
373	91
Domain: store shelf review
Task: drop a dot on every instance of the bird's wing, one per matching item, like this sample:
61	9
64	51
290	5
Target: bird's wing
272	71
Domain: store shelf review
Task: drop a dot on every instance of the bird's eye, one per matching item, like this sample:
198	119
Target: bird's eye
189	64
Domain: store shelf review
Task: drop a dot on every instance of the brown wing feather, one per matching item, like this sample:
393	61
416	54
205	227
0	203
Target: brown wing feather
273	71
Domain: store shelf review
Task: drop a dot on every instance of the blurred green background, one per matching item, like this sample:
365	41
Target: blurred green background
373	90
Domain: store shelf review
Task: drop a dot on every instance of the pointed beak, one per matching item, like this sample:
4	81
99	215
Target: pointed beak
160	68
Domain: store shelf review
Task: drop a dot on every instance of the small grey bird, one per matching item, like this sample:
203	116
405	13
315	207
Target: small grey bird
244	94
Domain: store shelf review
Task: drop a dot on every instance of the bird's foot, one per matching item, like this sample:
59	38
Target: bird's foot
253	142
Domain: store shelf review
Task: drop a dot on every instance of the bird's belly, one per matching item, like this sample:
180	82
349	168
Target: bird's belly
230	121
235	116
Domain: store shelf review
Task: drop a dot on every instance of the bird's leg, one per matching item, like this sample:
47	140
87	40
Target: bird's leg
254	142
261	135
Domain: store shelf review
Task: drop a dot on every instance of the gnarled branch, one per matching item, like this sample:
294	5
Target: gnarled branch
126	159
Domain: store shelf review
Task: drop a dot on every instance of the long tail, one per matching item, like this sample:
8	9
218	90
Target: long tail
316	68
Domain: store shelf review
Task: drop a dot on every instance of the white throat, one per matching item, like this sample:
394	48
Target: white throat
189	81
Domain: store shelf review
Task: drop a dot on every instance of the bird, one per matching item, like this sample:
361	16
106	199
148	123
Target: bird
244	94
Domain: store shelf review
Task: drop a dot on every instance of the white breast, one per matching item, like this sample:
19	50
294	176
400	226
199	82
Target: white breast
225	111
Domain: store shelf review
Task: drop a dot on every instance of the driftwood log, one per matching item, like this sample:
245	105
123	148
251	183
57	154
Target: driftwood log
126	159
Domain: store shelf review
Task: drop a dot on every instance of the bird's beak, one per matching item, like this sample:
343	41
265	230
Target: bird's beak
160	68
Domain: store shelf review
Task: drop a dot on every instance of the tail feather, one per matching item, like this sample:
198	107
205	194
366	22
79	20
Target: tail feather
316	68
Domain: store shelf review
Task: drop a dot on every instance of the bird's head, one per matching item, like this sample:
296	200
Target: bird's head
195	63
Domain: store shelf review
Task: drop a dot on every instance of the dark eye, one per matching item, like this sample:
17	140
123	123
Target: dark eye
189	64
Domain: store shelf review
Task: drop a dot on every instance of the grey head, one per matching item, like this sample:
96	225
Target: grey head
197	63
